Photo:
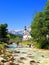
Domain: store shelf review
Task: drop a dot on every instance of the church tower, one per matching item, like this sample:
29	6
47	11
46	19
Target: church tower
26	34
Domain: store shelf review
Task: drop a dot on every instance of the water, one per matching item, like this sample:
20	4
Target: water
25	52
12	46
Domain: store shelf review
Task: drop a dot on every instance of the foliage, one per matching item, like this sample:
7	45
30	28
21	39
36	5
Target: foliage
3	32
2	45
27	42
5	57
40	28
14	37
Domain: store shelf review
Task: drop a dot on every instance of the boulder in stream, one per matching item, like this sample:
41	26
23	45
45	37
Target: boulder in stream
33	62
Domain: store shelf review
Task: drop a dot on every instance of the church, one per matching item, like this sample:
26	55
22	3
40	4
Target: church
26	33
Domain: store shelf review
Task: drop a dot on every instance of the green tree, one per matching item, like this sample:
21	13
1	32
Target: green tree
40	28
46	12
3	32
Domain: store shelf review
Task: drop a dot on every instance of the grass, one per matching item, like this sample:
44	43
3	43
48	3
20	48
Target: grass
2	45
35	44
26	42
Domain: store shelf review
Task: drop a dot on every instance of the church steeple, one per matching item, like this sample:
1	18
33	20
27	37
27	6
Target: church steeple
26	34
25	28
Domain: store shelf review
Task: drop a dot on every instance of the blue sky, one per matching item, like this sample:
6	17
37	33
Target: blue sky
19	13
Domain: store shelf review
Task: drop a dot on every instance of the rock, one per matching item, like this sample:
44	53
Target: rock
7	63
1	63
38	62
24	52
1	59
12	63
32	62
30	56
20	61
4	61
22	58
42	55
11	58
17	51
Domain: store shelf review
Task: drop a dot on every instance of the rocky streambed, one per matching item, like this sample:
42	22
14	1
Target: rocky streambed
25	56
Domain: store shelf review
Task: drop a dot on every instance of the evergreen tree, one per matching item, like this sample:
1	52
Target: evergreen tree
3	32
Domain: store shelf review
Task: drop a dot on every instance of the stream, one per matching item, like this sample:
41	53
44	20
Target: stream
28	54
